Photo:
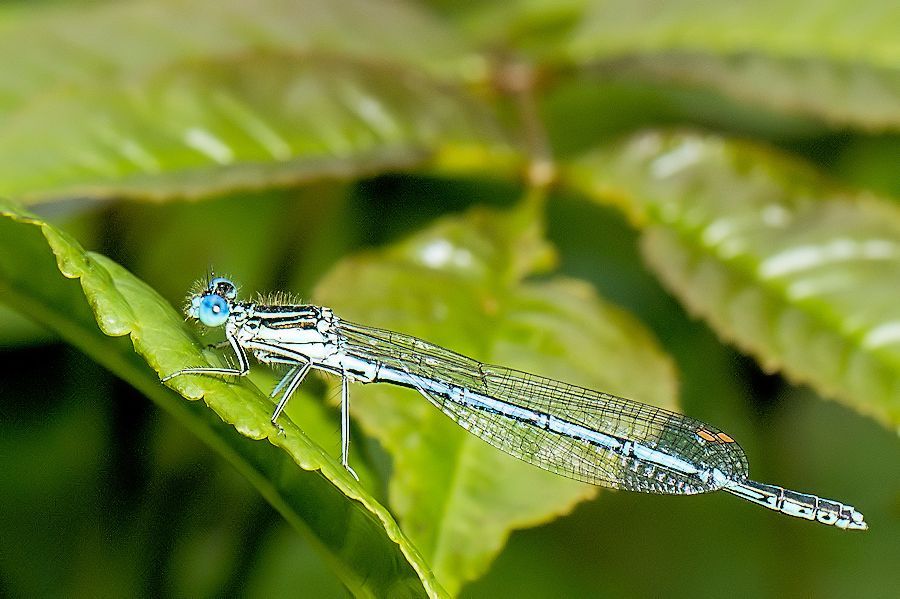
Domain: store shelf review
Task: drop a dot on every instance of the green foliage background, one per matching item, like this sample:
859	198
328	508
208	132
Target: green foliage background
688	203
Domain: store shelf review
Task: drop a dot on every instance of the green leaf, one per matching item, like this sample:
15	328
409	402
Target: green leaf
313	492
253	121
17	330
462	283
792	269
871	162
840	93
827	59
832	29
118	41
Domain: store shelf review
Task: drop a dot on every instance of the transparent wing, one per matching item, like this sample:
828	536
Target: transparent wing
673	434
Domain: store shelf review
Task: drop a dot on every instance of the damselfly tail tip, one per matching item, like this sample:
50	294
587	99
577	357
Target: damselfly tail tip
799	505
857	520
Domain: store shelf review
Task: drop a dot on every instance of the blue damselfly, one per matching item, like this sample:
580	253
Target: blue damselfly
582	434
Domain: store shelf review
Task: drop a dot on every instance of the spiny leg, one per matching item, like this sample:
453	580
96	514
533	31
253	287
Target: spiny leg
285	379
345	425
243	363
281	355
294	377
301	371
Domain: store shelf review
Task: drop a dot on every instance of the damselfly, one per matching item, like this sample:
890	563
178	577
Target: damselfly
586	435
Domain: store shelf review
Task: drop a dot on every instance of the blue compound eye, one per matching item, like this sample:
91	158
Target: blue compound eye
213	310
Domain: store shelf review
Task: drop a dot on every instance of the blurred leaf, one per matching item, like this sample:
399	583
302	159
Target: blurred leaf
825	59
855	94
361	540
54	459
586	28
800	274
287	566
251	121
834	30
190	237
15	329
461	283
871	162
578	114
117	41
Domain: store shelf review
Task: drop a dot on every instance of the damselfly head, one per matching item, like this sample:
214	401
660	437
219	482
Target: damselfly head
223	287
212	306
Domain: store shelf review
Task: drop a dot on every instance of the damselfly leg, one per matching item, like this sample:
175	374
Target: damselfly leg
243	363
345	425
300	372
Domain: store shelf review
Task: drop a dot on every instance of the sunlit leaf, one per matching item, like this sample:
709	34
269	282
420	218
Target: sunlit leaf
253	121
792	269
311	490
828	59
462	283
114	41
841	93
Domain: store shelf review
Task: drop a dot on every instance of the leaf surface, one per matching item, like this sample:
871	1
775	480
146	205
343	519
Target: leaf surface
311	490
456	496
799	273
186	99
827	59
111	42
248	122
